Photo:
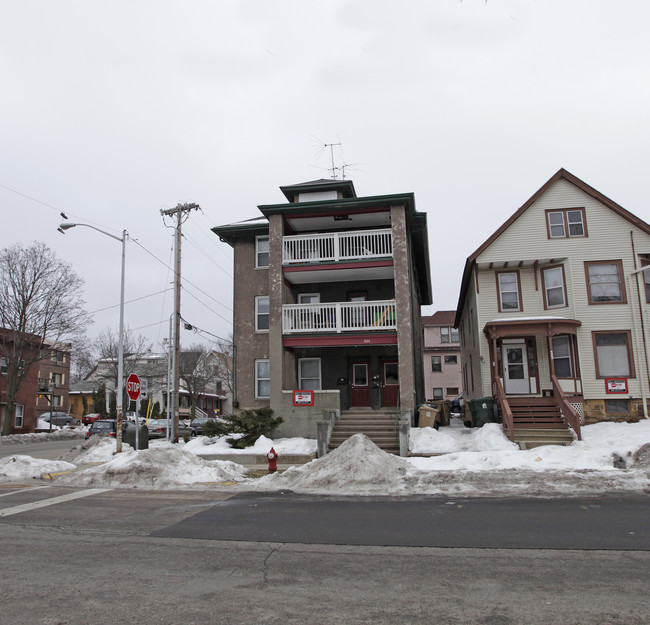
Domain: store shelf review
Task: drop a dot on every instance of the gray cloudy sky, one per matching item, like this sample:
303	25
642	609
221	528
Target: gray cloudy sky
111	111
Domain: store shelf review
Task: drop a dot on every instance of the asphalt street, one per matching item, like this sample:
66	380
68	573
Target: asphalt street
79	556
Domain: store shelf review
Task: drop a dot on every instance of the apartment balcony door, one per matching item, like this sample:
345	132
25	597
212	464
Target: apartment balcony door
360	388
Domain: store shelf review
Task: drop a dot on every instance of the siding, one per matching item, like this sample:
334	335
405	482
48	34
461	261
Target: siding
609	238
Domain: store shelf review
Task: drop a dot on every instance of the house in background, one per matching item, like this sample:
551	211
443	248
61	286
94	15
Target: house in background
327	294
152	368
54	379
442	365
552	312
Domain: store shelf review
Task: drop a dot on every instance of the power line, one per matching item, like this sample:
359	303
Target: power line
137	299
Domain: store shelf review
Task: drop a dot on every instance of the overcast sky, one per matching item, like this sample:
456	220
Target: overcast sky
112	111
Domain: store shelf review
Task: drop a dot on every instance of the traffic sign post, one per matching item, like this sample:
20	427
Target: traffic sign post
133	387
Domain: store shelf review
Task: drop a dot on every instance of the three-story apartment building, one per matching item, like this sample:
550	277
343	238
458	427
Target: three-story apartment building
327	294
442	365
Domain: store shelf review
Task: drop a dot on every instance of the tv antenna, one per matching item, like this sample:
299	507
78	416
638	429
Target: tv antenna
334	169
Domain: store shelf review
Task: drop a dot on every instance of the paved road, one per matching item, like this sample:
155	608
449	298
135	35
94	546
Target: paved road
48	450
611	522
106	557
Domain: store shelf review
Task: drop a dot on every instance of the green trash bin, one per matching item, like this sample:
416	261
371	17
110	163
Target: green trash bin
482	411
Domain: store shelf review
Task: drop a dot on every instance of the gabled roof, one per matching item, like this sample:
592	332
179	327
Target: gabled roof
440	318
561	174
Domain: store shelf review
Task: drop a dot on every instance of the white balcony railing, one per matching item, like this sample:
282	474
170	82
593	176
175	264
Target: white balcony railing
336	246
338	317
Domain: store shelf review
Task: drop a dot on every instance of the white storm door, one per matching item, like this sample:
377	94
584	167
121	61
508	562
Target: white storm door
515	368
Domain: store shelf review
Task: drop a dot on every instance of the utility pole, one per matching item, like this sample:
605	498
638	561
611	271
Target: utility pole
181	212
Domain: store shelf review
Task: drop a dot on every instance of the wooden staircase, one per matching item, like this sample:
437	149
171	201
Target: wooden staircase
538	421
377	425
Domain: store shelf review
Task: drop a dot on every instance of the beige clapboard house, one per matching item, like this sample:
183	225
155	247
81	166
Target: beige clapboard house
552	316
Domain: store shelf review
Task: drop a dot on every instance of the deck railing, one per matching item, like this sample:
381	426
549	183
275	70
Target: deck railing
339	317
337	246
506	412
569	414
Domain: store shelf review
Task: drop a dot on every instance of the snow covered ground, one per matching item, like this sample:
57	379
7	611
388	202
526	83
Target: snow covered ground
612	457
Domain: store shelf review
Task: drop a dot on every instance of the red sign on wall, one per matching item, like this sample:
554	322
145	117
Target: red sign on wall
303	398
616	386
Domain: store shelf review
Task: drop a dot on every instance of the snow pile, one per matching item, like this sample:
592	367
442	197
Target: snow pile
94	450
358	466
161	467
26	467
204	446
457	437
56	434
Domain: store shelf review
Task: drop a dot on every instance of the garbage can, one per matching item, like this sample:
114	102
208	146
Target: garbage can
444	405
428	417
128	434
482	411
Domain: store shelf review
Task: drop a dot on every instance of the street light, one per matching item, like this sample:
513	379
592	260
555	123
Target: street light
120	363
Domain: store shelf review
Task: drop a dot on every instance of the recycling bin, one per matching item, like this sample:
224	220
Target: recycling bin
482	411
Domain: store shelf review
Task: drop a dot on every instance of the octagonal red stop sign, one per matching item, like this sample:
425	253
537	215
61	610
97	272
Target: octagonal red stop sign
133	386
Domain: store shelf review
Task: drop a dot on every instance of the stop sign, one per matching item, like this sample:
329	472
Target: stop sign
133	387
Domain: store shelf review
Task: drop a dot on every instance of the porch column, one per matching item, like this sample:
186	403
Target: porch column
276	284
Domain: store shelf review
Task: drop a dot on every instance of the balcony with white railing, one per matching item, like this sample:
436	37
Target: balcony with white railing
337	317
337	246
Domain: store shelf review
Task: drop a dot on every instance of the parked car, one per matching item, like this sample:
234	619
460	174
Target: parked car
90	418
102	427
158	429
457	405
59	418
198	424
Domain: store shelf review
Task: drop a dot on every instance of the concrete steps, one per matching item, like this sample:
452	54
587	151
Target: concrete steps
378	426
528	438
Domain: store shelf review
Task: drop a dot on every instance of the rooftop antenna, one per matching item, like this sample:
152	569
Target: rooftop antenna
323	146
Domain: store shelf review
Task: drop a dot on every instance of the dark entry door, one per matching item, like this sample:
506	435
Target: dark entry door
390	391
360	391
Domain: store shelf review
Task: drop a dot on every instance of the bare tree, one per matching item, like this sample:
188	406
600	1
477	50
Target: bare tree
224	358
82	359
40	306
107	347
197	372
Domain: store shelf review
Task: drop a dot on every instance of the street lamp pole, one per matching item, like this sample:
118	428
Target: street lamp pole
120	357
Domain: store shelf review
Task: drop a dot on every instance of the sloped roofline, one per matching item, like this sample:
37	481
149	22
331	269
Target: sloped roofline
569	177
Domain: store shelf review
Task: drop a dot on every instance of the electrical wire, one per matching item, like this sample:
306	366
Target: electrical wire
137	299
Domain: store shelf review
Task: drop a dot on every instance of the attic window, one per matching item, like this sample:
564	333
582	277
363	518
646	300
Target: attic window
566	223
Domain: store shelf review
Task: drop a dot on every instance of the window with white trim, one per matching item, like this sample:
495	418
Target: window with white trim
436	363
261	252
437	393
262	378
19	419
568	222
509	295
4	365
262	313
451	360
553	280
309	374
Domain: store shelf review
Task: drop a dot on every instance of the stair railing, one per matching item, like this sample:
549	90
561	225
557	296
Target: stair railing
506	411
397	415
569	414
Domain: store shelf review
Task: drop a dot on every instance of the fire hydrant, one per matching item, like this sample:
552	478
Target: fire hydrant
273	460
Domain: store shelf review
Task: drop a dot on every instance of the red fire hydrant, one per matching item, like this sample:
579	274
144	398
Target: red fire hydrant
273	460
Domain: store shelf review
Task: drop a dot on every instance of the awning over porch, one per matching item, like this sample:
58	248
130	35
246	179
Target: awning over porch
545	326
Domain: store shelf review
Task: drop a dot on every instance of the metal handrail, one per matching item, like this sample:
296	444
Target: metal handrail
506	411
569	414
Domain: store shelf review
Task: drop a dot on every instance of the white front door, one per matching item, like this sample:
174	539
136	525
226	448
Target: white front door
515	368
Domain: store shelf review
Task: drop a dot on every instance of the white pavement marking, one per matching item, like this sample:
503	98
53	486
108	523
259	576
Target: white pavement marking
27	489
50	502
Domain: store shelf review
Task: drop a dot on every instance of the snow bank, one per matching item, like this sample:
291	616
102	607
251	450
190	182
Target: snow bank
57	433
160	468
95	449
204	446
358	466
26	467
458	438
